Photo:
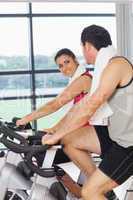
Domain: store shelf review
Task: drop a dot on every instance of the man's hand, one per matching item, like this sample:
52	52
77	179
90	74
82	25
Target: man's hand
49	130
21	122
50	139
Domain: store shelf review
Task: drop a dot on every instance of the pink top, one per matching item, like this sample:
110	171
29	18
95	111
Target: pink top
82	94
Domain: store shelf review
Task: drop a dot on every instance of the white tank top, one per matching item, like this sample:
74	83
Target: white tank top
121	122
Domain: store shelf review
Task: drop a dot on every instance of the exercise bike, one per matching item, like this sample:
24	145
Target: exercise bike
9	176
15	185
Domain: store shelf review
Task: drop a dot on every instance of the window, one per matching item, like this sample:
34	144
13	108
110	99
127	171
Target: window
31	34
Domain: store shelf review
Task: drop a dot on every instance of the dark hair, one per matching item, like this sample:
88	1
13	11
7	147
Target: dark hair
64	51
98	36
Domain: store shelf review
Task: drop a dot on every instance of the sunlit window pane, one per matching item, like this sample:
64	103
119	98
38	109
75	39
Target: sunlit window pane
13	8
14	44
44	61
47	84
52	119
14	85
14	108
52	34
67	7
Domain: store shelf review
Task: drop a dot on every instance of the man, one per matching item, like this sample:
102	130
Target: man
113	142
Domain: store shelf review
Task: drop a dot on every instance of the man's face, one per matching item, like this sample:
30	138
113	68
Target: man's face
89	53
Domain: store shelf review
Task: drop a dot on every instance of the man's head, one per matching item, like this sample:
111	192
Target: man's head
93	38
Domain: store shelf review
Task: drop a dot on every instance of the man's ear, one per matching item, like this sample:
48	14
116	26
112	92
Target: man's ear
88	46
91	47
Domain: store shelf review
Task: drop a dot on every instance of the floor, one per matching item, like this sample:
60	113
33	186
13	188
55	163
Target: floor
120	191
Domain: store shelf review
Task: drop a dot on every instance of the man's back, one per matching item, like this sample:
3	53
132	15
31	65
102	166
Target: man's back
121	102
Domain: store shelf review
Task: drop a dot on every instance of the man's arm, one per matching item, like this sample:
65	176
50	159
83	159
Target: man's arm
86	108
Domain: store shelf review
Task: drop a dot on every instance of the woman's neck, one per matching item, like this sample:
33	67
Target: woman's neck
75	70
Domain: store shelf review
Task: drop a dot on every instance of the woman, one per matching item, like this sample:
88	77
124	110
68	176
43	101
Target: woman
80	83
79	86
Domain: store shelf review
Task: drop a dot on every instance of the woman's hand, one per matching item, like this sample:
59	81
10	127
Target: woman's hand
50	139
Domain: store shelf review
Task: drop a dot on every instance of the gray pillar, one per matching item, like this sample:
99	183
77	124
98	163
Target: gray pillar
124	27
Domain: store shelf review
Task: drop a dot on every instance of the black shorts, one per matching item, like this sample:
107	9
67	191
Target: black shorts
117	161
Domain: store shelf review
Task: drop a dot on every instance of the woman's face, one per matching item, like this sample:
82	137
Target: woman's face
67	65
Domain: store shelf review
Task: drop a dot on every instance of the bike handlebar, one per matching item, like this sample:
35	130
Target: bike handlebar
44	172
8	132
8	136
24	147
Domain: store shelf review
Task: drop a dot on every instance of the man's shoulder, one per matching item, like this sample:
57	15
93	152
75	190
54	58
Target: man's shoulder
115	64
120	60
119	64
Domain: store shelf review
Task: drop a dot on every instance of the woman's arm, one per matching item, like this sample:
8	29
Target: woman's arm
76	87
